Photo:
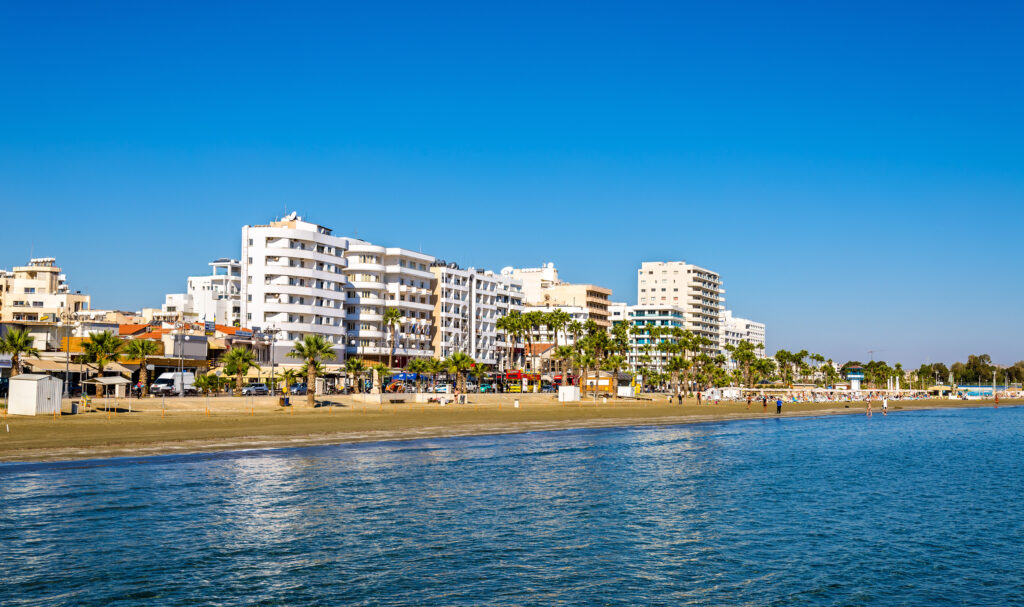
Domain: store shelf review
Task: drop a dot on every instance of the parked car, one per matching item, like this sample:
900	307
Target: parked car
255	390
297	389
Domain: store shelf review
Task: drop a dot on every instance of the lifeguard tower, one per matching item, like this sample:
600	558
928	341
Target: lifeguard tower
854	375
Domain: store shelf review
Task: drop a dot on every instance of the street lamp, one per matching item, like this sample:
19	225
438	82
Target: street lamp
67	316
181	362
273	362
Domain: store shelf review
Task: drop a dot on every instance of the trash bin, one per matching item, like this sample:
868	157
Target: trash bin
283	401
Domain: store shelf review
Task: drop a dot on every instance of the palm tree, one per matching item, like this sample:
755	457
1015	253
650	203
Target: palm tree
237	361
575	328
556	320
392	319
564	354
458	363
615	363
677	365
141	350
312	349
509	325
383	372
18	343
203	383
586	360
419	366
289	377
479	371
531	322
354	367
101	349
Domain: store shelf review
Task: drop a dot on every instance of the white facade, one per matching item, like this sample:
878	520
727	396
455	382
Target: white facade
468	304
294	283
697	290
644	352
534	280
387	277
544	335
736	329
215	297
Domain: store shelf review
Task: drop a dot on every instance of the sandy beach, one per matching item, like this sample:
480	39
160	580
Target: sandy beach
191	425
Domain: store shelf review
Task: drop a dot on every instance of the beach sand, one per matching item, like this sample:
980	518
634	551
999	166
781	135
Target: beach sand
157	426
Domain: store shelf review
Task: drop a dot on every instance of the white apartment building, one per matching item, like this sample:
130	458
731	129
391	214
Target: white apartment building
387	277
534	280
214	297
544	335
696	290
294	283
644	352
736	329
38	293
467	306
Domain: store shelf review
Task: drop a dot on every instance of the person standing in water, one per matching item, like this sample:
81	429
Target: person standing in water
885	406
764	402
868	412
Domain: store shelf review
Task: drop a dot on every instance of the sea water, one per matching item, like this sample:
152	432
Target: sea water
913	508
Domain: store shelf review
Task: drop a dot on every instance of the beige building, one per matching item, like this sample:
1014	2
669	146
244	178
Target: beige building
37	292
542	287
698	291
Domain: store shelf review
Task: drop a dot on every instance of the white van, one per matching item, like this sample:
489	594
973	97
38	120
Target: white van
170	384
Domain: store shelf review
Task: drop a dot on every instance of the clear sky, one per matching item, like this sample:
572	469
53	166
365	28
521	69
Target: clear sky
855	171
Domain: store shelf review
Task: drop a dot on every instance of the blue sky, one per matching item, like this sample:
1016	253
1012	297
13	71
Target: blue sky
855	172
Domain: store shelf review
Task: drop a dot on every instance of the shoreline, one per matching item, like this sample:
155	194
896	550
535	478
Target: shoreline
465	426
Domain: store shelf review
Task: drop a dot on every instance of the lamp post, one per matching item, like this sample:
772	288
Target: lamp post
180	326
67	316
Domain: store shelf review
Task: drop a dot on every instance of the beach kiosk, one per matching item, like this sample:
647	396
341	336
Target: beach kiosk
34	394
855	375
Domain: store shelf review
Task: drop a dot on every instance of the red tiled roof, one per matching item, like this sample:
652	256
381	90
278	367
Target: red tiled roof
538	349
154	334
131	329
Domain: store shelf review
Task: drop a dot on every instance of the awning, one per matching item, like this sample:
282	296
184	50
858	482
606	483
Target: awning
54	366
108	381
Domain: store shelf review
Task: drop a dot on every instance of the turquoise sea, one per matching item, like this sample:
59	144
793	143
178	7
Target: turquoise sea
916	508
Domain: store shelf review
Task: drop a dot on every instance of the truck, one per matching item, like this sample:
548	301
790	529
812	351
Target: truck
170	384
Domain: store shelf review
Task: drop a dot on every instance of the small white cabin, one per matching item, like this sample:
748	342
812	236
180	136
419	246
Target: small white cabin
34	394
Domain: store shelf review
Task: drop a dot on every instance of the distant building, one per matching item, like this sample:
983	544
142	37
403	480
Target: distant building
38	293
542	287
736	329
467	306
215	297
698	291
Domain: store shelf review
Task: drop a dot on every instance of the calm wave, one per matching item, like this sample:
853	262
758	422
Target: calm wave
917	508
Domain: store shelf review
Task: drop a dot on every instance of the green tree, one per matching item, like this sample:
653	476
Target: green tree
312	349
614	364
532	321
18	344
511	325
393	320
458	364
206	383
556	320
421	367
101	349
237	362
289	377
141	350
565	355
355	368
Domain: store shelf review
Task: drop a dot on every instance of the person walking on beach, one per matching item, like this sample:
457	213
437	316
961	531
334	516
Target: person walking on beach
698	399
778	405
764	403
748	402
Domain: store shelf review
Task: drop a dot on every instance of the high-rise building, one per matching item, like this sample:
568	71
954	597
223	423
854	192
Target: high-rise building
215	297
38	293
388	277
736	329
542	287
698	291
467	306
294	283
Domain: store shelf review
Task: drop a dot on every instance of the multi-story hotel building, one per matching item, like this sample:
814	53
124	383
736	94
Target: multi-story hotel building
294	283
644	352
467	306
541	287
696	290
736	329
215	297
38	293
388	277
